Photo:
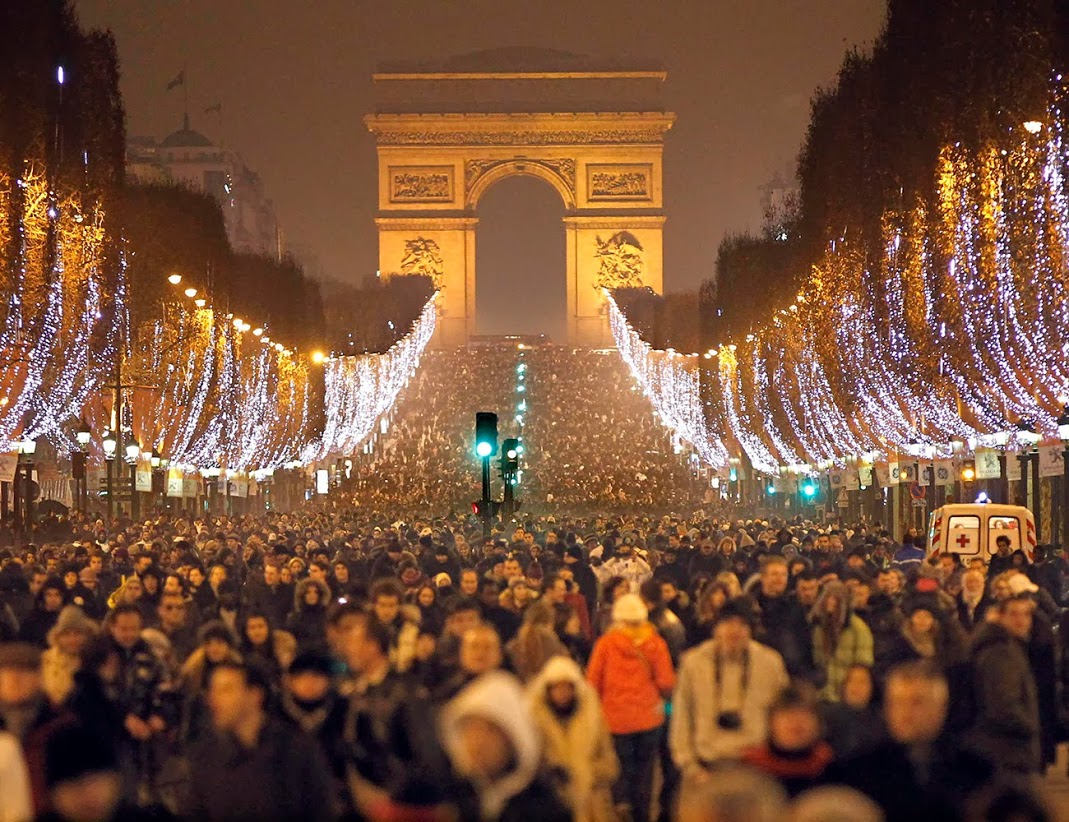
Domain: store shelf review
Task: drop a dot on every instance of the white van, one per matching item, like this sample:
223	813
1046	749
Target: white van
971	530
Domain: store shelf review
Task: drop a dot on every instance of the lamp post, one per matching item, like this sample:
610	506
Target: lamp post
79	462
133	454
110	444
23	485
1027	437
1002	438
1063	435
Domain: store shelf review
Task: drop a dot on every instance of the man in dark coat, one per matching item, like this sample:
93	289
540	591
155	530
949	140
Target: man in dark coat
783	621
1006	726
254	766
918	773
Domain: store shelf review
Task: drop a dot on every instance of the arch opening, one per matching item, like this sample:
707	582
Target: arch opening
520	251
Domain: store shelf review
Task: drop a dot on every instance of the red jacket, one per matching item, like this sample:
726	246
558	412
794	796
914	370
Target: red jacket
631	670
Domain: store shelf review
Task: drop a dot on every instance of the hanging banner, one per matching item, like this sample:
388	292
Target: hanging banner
174	485
864	476
1013	467
907	473
9	463
1052	461
893	473
944	472
239	488
851	480
190	487
835	478
988	465
143	480
883	474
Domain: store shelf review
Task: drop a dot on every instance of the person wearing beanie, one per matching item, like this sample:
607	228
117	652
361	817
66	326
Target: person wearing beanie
217	645
726	687
62	659
631	671
311	701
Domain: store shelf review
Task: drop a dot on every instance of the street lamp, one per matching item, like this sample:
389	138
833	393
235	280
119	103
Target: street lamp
1027	437
1002	439
110	443
79	459
27	447
1063	435
133	454
175	279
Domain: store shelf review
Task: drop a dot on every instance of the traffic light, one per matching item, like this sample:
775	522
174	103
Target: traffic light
968	471
809	489
510	460
486	509
770	490
485	434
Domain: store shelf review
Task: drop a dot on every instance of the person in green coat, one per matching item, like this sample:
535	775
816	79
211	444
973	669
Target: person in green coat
841	639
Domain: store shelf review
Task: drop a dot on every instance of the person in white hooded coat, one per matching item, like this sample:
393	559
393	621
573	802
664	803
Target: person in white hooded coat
494	747
578	744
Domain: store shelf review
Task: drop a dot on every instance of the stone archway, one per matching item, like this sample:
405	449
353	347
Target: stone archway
445	134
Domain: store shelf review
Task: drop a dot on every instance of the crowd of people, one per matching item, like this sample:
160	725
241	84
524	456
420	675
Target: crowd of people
595	443
343	665
426	459
592	443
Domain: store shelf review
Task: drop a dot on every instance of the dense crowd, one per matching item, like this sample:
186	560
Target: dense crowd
327	666
592	443
426	460
595	443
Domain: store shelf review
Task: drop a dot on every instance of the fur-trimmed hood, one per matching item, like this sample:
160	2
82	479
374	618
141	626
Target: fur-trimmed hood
304	585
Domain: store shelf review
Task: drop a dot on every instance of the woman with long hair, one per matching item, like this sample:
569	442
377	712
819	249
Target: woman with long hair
841	639
535	642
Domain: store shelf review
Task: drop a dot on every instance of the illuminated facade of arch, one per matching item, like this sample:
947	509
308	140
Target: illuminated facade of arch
445	135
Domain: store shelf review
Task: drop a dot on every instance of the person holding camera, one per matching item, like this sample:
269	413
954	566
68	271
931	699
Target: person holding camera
724	689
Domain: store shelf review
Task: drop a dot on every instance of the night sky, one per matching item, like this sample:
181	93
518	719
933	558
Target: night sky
294	80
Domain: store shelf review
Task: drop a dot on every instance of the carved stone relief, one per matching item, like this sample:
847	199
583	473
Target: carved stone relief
563	167
423	256
620	262
619	182
421	184
518	138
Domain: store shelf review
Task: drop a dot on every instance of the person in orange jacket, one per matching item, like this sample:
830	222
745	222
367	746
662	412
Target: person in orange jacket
631	670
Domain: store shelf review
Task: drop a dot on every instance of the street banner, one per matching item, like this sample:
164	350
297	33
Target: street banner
987	464
144	480
239	488
1051	461
8	465
851	480
864	476
907	473
944	472
174	485
893	473
835	478
190	487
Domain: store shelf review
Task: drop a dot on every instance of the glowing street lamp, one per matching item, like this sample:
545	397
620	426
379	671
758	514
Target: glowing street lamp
174	279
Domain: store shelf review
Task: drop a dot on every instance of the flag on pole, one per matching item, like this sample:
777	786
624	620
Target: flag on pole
179	80
216	109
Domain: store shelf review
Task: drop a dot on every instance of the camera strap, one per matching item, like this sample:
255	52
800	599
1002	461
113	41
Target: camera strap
744	681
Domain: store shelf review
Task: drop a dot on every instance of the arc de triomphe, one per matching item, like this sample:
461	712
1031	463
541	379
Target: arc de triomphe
446	133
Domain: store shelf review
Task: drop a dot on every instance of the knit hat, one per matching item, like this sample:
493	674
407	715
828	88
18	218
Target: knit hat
630	608
312	662
21	655
921	602
72	751
442	580
73	618
1020	584
216	629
